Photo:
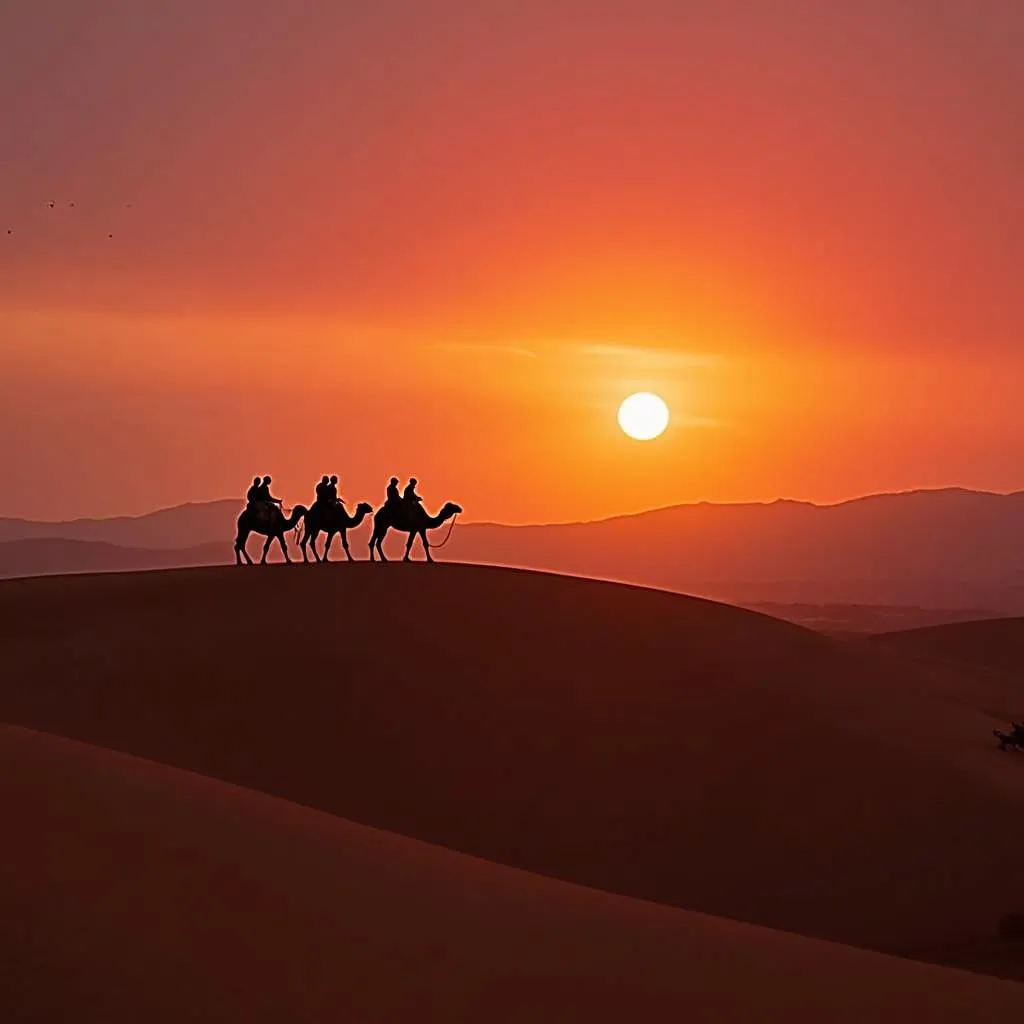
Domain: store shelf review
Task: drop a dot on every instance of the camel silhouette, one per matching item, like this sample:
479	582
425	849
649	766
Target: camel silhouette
273	529
413	521
331	520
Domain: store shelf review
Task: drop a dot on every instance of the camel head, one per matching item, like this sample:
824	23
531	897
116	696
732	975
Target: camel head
364	508
450	509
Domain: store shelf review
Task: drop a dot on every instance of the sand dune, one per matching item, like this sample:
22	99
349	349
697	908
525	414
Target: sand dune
992	644
980	663
636	741
136	892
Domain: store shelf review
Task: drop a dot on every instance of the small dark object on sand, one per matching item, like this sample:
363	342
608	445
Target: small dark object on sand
1012	740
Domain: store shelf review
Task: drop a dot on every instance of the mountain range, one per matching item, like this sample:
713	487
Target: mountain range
952	550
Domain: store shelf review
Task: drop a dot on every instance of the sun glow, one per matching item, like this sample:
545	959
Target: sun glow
643	416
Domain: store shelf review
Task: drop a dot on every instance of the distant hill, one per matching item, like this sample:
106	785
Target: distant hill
942	549
948	548
183	526
47	557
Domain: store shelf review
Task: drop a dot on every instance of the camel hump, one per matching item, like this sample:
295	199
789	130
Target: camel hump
265	511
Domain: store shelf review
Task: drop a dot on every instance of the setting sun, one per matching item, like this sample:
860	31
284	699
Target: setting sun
643	416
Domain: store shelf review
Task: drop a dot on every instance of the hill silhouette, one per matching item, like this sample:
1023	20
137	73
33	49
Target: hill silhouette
948	549
44	556
648	744
180	898
187	525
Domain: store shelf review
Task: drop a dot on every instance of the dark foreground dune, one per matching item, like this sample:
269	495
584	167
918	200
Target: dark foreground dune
635	741
135	892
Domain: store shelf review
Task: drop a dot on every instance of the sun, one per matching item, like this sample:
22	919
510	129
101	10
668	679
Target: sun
643	416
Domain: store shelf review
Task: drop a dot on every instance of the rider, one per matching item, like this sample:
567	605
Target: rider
253	494
332	492
263	492
393	497
409	494
321	492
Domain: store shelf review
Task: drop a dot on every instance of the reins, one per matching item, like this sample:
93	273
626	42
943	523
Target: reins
448	536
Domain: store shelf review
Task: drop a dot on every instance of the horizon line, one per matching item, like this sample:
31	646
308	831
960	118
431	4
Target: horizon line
765	503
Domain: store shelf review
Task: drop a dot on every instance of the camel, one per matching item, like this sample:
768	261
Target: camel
416	524
273	529
331	521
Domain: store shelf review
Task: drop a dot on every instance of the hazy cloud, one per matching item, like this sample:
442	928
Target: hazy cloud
513	351
662	357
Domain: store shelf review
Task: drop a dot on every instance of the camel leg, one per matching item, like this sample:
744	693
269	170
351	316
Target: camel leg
284	547
240	550
408	547
426	544
266	548
380	544
313	540
344	544
327	546
303	541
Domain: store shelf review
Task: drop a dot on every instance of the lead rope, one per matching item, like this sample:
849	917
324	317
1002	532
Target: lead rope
448	536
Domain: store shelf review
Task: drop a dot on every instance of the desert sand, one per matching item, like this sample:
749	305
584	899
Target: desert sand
133	891
993	645
643	743
979	664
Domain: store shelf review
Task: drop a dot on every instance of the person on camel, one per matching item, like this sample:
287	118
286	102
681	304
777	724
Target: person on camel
409	494
266	499
253	494
409	507
393	499
332	492
321	492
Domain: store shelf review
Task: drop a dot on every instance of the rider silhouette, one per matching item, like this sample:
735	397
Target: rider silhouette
393	497
332	492
409	494
321	491
263	492
253	494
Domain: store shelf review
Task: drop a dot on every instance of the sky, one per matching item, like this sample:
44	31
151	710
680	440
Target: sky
447	239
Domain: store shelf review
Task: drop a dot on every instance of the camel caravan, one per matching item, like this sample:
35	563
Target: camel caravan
404	512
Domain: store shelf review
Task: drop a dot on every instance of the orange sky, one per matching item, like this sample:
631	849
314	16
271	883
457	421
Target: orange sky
447	239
